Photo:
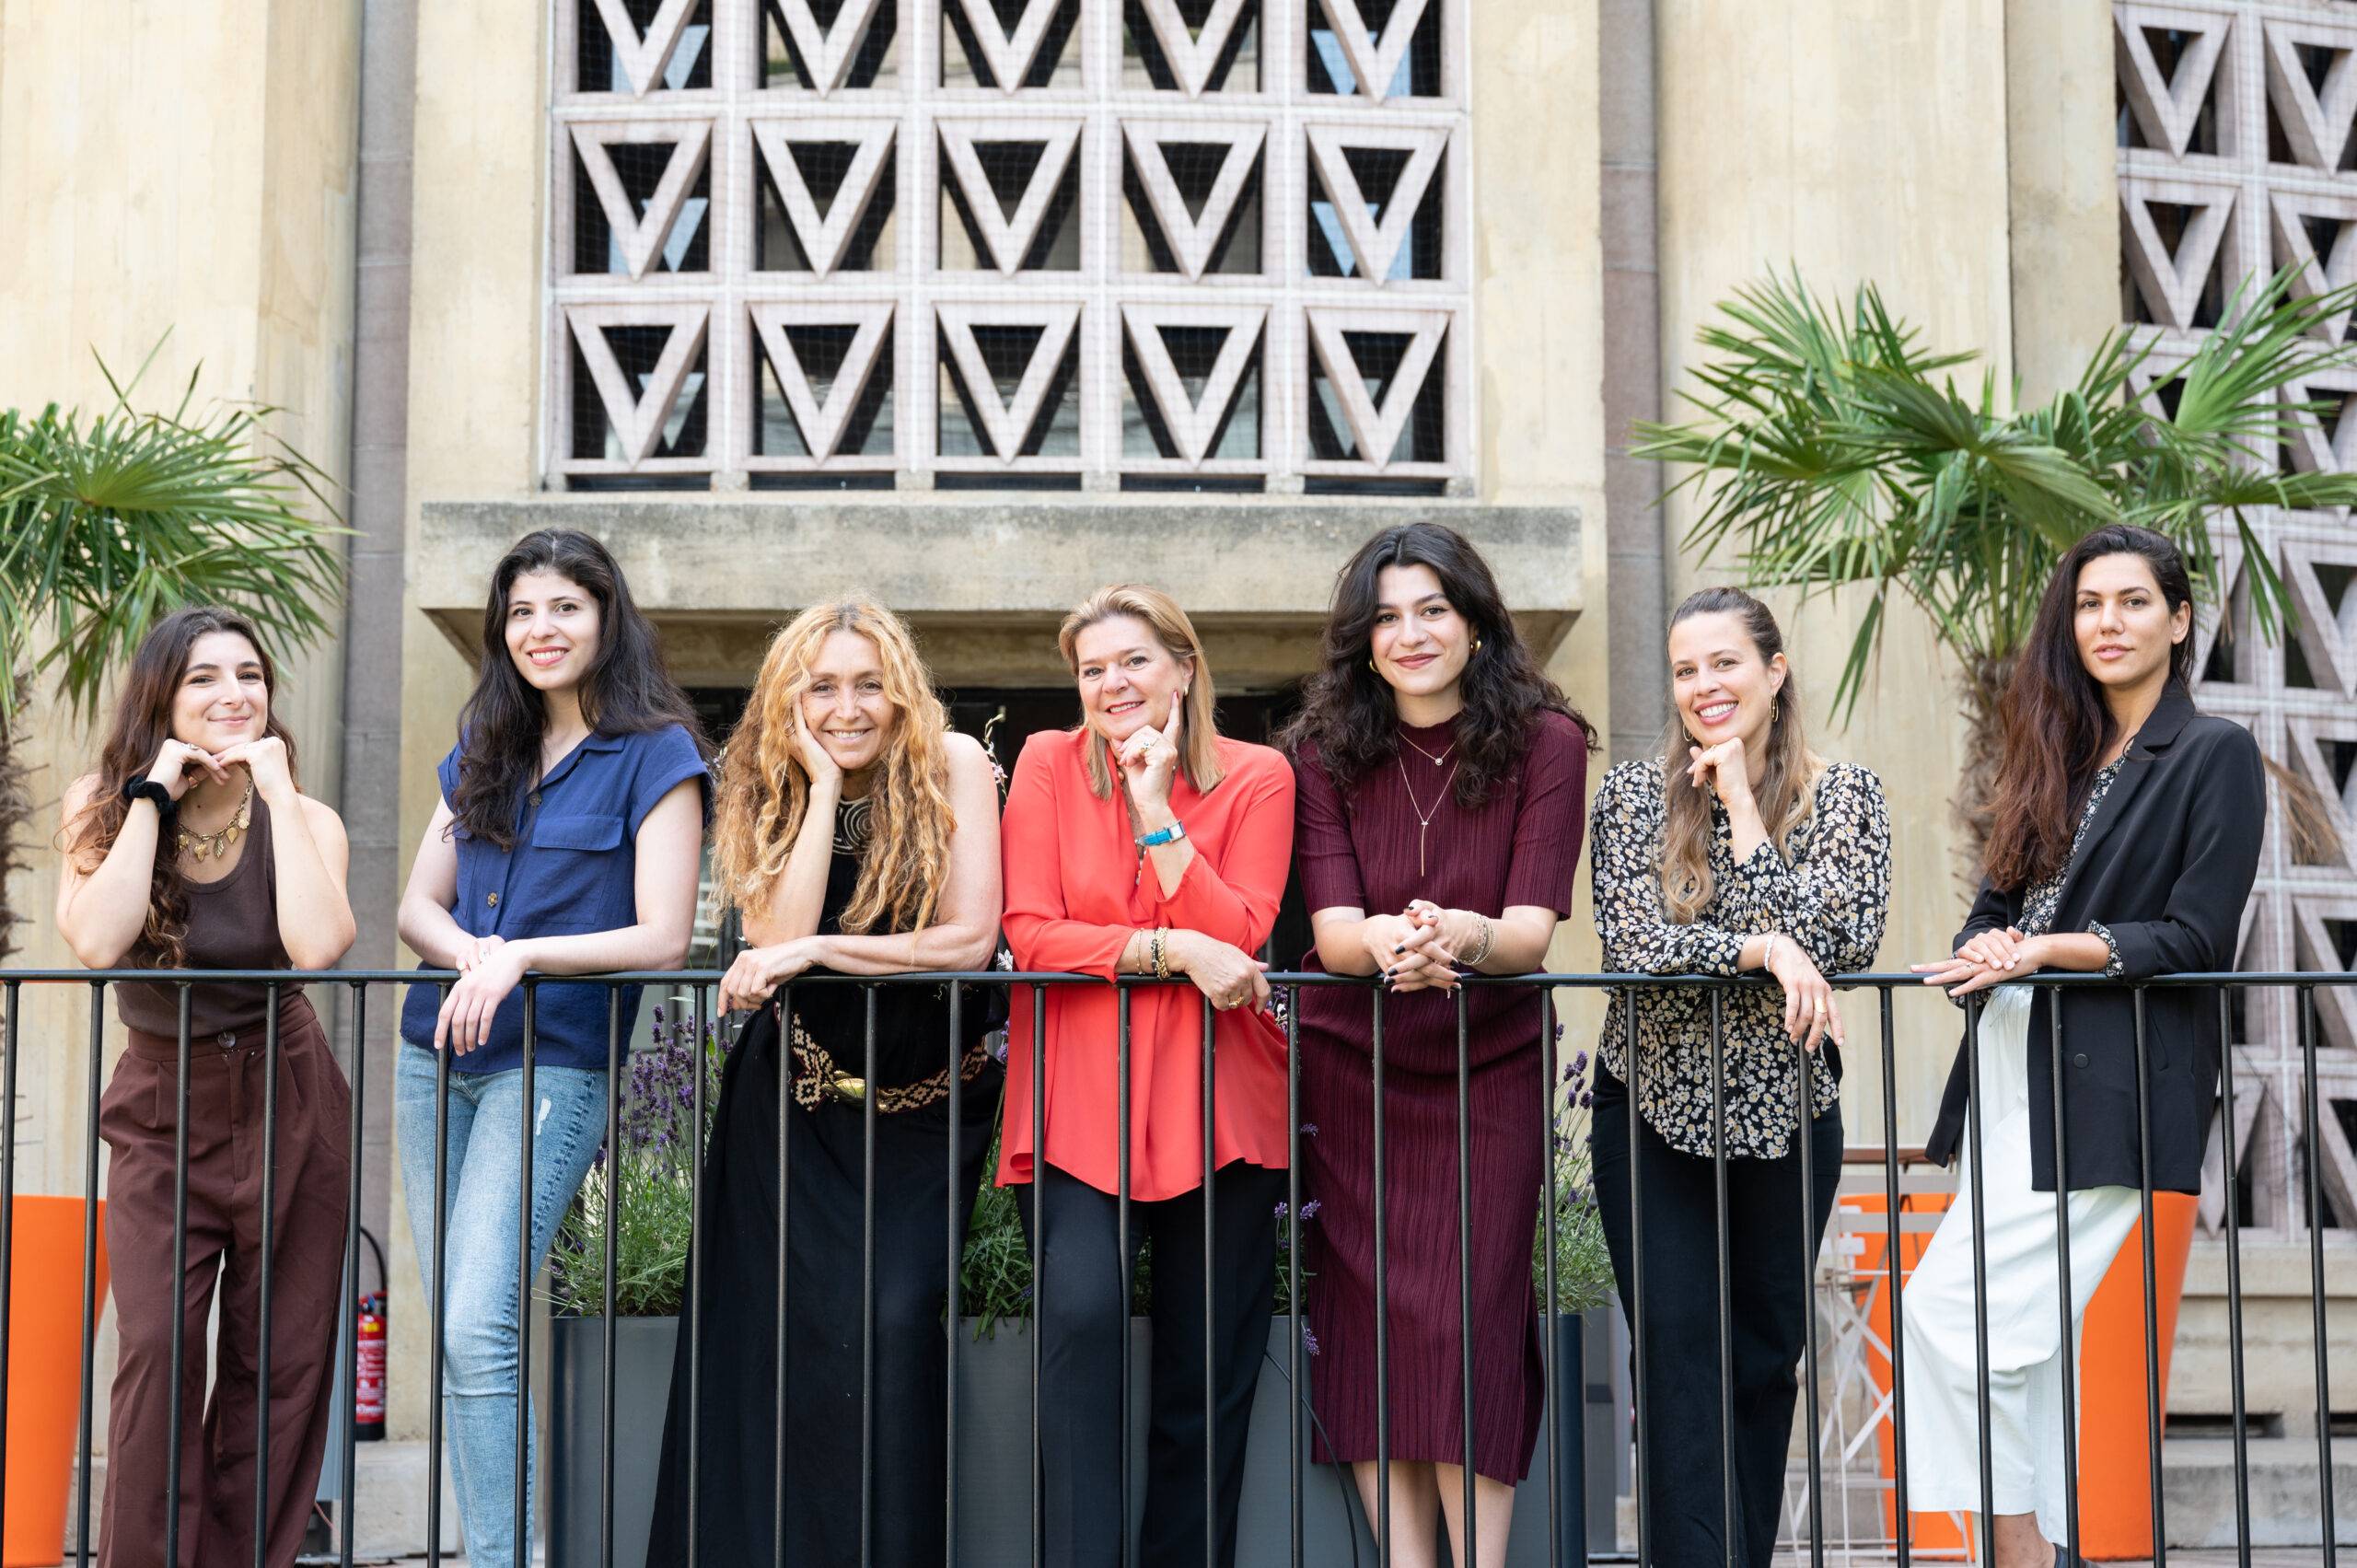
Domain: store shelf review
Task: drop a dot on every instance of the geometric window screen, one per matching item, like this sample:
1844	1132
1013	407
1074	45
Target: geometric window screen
1058	244
2238	158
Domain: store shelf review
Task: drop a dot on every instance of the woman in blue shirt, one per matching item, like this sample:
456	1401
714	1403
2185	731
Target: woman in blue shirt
566	841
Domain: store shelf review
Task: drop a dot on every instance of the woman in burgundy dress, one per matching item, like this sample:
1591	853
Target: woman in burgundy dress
1440	792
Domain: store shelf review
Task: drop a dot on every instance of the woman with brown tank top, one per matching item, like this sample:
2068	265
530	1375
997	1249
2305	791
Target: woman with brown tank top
191	847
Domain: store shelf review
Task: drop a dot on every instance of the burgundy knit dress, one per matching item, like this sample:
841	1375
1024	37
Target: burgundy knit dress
1360	849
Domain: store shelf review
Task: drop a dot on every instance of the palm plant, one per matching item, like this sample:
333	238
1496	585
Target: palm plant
1833	450
110	522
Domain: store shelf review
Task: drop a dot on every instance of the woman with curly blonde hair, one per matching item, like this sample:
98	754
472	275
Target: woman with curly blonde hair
858	836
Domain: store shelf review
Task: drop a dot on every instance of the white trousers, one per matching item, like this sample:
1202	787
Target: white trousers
2025	1366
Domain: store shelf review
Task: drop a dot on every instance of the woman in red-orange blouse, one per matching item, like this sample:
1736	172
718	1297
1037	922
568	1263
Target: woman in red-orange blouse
1144	842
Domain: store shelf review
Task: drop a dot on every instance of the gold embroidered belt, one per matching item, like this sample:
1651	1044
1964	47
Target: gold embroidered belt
817	1079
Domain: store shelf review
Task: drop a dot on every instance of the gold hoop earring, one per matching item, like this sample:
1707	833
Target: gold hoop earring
1477	645
1370	663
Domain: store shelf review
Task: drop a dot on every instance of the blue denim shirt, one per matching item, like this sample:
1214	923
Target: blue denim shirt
574	869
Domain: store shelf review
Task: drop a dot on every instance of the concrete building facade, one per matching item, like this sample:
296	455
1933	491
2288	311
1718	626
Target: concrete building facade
976	304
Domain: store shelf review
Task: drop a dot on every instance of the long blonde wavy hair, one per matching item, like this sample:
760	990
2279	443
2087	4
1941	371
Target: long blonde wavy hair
764	789
1786	791
1200	728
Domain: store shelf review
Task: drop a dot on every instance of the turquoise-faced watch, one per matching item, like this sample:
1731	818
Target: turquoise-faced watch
1160	836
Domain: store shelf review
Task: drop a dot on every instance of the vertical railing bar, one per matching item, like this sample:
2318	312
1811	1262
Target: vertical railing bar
1039	1259
2313	1091
268	1248
1211	1298
2067	1301
8	1219
349	1510
1980	1268
2232	1166
524	1284
433	1375
1295	1395
1550	1399
785	1067
1122	1005
1893	1256
1465	1260
1726	1269
180	1283
952	1301
83	1434
614	1083
698	1243
1636	1307
1382	1319
867	1282
1807	1132
2158	1505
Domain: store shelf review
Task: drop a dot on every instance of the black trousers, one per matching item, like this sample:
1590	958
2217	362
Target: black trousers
1082	1303
1770	1274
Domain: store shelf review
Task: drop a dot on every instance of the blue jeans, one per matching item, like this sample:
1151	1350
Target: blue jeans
483	1187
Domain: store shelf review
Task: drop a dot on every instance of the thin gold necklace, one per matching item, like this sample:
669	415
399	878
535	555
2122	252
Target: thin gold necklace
216	844
1423	818
1427	756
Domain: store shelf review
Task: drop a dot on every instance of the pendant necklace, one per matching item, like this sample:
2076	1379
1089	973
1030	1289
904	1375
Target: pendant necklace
1427	756
1423	818
216	844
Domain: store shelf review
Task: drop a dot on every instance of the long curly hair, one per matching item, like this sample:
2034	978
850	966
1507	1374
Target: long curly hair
1348	712
1199	723
626	689
2052	723
765	790
1786	793
142	723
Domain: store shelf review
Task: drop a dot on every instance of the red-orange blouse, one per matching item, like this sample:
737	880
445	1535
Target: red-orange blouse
1077	888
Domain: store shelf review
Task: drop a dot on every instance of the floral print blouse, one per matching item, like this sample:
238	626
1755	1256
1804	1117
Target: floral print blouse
1830	896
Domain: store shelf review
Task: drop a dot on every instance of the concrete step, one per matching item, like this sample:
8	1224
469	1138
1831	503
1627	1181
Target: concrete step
390	1521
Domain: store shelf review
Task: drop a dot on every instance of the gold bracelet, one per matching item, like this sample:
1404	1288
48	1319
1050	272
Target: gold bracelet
1158	950
1488	939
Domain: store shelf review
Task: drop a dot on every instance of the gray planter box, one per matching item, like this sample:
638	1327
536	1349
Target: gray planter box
993	1474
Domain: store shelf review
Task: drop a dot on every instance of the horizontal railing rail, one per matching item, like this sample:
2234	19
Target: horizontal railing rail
1551	1122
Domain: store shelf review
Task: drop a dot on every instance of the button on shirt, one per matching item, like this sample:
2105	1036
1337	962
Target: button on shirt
574	869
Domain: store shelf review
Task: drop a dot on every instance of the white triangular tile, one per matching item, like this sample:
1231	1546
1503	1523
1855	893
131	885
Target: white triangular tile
2312	274
640	235
644	56
1007	238
637	415
1375	431
1375	241
822	423
823	237
1193	423
1374	63
1193	56
2173	282
1005	423
1009	53
2315	123
827	51
1192	236
2167	108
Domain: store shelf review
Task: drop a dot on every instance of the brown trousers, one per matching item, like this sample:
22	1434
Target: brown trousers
226	1087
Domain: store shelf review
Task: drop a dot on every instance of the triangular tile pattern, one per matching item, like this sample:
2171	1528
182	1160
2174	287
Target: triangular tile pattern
643	57
2172	280
827	50
1374	240
1192	56
2328	631
2319	748
1375	431
2168	108
1007	238
2289	214
823	236
2326	442
1374	62
640	235
1193	236
1005	422
822	421
1193	423
2250	1098
638	414
1010	53
2214	609
2315	121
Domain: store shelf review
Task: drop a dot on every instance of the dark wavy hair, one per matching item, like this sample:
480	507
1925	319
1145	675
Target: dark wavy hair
626	689
143	722
1347	710
2053	725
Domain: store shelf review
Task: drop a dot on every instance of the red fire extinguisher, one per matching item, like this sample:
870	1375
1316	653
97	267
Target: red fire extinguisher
368	1370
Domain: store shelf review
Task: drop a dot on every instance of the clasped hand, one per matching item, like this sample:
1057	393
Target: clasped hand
1987	958
1412	950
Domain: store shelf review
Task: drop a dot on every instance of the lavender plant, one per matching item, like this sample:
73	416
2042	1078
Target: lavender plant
1582	1279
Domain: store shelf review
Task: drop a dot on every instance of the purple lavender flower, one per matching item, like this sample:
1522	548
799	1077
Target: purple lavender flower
1308	1340
1309	1129
1579	1062
1309	1210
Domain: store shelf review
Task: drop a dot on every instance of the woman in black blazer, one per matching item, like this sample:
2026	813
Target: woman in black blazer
2124	836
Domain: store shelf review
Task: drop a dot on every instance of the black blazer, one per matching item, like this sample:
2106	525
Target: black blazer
2166	866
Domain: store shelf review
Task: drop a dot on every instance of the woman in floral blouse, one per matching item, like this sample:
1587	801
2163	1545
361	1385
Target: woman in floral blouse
2123	839
1739	849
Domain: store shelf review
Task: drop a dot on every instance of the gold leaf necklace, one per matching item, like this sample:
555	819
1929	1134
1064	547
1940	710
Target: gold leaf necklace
213	845
1423	818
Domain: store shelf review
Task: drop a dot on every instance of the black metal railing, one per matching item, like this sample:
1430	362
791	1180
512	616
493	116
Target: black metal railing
1548	1123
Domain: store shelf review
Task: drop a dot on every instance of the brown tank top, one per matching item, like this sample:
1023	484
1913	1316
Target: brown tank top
232	924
